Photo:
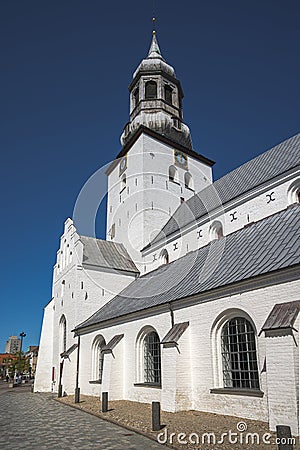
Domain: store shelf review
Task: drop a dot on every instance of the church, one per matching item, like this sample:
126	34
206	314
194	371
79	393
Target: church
193	298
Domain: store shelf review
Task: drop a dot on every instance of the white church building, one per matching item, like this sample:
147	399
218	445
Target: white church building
193	298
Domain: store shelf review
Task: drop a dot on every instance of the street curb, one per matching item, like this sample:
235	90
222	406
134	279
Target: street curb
126	427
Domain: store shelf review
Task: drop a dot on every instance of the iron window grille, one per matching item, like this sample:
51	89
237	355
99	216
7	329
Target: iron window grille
152	360
100	362
240	369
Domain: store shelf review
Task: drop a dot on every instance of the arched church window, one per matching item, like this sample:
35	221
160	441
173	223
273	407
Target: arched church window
188	181
239	359
150	90
63	334
168	94
216	230
173	174
98	358
152	358
164	257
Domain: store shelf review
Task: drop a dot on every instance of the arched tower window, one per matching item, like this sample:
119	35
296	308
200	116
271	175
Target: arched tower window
98	358
123	182
216	230
188	181
164	257
152	358
168	94
150	90
239	360
62	334
173	174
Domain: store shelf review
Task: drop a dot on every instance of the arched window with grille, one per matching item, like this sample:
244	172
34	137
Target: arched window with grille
239	359
150	90
62	334
152	358
98	358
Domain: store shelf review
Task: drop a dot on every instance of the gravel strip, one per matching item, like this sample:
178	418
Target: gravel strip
194	424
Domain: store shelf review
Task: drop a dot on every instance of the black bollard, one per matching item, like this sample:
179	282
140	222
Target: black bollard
156	426
284	435
104	401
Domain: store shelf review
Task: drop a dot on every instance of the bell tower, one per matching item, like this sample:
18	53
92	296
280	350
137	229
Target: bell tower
156	99
157	168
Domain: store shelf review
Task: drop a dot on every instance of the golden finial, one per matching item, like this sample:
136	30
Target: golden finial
153	23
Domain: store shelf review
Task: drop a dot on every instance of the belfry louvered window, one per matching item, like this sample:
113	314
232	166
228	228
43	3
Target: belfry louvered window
152	363
239	358
150	90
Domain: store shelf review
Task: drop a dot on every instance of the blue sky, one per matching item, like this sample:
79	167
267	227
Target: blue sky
65	69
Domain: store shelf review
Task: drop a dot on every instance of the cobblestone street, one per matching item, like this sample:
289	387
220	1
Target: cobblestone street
35	421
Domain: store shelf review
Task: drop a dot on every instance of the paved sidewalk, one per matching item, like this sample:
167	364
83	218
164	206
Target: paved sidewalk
35	421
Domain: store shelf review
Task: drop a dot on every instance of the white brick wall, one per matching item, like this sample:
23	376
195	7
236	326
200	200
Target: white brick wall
188	374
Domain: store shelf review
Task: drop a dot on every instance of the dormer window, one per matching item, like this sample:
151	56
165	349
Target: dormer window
168	94
150	90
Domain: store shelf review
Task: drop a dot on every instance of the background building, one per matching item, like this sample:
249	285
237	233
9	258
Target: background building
13	345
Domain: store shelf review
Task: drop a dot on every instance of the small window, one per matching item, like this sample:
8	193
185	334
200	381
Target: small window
294	192
188	181
123	183
152	358
150	90
112	231
176	123
164	257
173	175
216	230
168	94
240	369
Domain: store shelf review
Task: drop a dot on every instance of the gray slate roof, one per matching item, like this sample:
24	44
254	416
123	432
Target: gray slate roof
106	254
253	173
265	246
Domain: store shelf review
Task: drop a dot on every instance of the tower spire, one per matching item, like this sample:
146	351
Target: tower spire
154	51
